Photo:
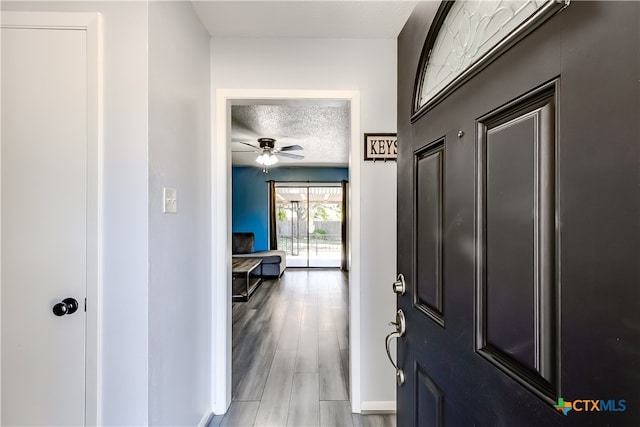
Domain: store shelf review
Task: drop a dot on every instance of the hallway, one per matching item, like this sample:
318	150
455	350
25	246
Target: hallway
291	355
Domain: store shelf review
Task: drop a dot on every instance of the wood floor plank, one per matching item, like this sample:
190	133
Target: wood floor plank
326	322
274	406
304	409
335	414
307	356
253	382
291	329
311	296
344	358
332	379
309	321
260	296
240	414
341	321
374	420
246	338
255	349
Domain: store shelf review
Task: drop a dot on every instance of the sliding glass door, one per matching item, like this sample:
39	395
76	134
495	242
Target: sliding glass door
309	224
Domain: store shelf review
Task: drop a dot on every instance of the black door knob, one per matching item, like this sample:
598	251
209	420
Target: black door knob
67	306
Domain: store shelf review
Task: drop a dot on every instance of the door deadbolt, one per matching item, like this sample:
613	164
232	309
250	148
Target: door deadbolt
399	286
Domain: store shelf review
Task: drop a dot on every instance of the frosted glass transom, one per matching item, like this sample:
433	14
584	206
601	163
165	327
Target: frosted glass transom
469	31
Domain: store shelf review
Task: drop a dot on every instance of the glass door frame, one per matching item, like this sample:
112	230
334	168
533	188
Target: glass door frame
307	186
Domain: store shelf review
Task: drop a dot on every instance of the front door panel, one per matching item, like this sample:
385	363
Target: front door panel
429	400
518	231
516	318
429	179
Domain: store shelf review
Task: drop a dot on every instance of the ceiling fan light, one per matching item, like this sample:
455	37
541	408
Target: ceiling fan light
267	159
262	159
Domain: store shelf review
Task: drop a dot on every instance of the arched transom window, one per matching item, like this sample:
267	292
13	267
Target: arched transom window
466	35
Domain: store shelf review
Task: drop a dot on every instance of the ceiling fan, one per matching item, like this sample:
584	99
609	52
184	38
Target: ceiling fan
269	153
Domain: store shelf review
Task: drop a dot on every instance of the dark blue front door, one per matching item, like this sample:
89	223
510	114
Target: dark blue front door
519	229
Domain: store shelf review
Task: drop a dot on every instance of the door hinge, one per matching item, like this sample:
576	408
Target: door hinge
85	305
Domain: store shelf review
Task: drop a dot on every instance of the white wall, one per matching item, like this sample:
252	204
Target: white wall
155	325
179	244
330	64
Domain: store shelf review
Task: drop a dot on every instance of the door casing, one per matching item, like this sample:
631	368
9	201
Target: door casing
307	186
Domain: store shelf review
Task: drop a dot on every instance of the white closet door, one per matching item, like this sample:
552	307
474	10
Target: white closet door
43	224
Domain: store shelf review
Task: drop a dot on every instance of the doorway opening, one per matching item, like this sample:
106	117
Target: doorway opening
221	229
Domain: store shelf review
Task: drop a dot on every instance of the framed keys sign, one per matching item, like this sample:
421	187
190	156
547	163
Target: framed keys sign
380	146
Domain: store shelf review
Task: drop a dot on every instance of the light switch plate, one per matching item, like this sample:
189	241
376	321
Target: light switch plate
170	198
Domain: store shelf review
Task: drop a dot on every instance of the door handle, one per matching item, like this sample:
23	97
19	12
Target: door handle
66	306
399	286
400	325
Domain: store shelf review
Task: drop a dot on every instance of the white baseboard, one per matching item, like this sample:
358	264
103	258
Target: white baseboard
205	419
373	407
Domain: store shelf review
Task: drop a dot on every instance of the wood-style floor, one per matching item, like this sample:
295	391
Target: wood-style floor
291	355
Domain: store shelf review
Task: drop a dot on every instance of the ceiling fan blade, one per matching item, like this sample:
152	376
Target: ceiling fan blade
246	151
250	145
291	148
291	156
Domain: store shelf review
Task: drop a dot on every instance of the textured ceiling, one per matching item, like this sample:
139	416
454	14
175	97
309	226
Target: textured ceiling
304	19
322	130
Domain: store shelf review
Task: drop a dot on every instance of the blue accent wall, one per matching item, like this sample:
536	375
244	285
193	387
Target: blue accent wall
251	198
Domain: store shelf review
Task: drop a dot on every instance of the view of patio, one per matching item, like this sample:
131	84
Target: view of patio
309	225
